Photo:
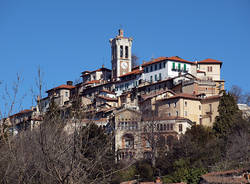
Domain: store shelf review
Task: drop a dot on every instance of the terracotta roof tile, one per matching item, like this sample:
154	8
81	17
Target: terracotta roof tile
93	82
133	72
209	61
176	58
159	59
62	87
22	112
173	58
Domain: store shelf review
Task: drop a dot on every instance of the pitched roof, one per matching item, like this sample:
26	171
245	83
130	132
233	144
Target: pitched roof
176	58
184	95
231	176
107	91
22	112
61	87
133	72
172	58
93	82
209	61
107	98
159	59
148	96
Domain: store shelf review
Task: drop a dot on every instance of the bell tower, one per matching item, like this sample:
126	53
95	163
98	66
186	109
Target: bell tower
121	55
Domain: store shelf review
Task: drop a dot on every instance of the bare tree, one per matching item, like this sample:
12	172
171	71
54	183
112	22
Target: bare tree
153	136
135	60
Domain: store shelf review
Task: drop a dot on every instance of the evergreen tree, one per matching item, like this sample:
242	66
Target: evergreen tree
230	117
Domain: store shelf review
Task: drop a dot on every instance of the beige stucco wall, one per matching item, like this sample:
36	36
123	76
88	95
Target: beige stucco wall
208	117
190	109
215	74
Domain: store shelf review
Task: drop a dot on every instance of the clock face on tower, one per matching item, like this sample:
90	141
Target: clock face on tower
124	65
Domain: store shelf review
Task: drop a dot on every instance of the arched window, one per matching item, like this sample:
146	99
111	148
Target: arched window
128	140
164	127
161	127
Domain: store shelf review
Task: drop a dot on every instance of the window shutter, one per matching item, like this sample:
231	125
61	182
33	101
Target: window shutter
173	66
179	66
185	67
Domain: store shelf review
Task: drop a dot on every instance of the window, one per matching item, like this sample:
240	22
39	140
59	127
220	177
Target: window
158	127
121	51
185	67
185	113
209	69
164	64
173	66
175	104
151	68
126	51
156	67
210	107
180	127
177	113
164	127
159	76
155	77
210	119
66	93
168	104
199	107
179	66
151	78
171	127
167	126
185	103
160	66
146	69
129	141
169	114
161	127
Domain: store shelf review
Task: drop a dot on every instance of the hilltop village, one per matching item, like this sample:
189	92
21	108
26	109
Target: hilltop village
169	93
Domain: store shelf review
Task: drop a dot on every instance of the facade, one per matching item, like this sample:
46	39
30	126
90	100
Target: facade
178	92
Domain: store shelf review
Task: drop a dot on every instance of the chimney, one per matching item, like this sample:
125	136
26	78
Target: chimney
102	66
69	83
120	32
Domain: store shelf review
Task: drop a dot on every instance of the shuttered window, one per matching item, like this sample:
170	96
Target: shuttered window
185	67
173	66
179	66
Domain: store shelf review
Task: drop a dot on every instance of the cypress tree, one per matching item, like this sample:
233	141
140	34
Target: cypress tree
230	117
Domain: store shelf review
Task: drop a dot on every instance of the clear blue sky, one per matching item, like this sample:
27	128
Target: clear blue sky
67	37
